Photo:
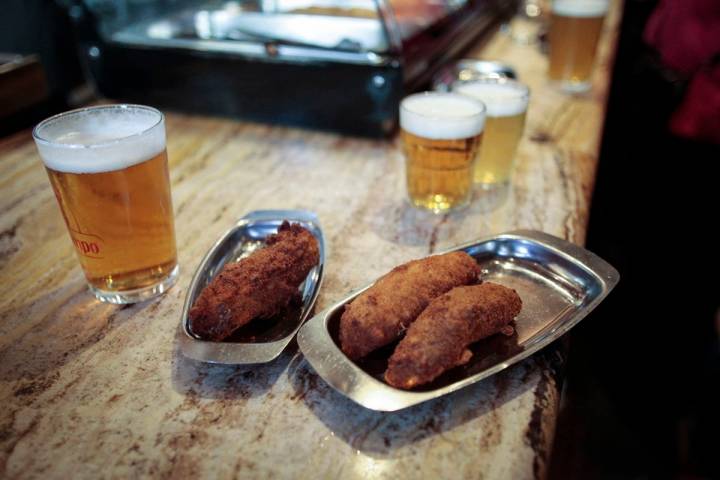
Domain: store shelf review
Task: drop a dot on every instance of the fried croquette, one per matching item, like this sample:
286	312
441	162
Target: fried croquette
437	341
383	312
258	286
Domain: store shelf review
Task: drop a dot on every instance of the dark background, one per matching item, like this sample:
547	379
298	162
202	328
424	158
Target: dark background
642	397
41	27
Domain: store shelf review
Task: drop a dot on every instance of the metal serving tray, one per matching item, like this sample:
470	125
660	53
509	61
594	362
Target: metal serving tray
261	340
558	282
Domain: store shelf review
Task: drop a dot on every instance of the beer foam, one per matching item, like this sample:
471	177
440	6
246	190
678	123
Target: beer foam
502	99
442	116
580	8
100	139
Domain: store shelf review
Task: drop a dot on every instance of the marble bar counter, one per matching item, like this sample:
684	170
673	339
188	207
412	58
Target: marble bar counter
93	390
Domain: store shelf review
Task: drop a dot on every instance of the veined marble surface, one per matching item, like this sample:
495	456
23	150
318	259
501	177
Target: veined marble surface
91	390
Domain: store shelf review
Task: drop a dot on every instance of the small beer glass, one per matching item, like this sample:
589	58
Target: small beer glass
108	167
506	101
575	27
441	134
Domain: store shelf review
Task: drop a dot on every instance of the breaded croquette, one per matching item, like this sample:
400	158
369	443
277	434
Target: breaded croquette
382	313
437	341
258	286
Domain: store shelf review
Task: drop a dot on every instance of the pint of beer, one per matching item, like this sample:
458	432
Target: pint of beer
441	133
108	168
506	102
575	27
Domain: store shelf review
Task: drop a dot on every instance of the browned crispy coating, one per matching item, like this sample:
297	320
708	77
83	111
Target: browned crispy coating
258	286
437	341
384	311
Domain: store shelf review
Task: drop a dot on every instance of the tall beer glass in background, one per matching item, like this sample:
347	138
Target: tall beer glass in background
108	168
506	102
441	133
575	27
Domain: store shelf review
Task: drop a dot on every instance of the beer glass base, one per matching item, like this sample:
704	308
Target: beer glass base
492	187
439	209
575	87
138	294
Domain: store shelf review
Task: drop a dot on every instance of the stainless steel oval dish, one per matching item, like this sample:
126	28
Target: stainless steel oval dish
558	282
261	340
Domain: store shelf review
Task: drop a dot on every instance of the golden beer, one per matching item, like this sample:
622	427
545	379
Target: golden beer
575	28
109	171
441	134
439	172
506	102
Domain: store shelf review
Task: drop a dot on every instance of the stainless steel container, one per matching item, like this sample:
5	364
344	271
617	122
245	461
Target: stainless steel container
469	69
262	340
558	282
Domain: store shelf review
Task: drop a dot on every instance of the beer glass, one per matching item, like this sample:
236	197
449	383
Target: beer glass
441	133
108	167
506	102
575	27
